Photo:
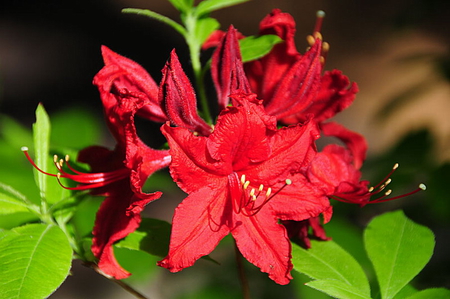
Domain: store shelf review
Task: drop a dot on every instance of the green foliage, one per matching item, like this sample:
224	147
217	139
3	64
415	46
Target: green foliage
207	6
326	262
34	260
152	237
253	47
398	249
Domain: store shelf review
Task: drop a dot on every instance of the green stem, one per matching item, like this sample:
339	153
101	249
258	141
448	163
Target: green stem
194	51
242	275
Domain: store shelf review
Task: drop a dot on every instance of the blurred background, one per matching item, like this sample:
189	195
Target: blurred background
397	52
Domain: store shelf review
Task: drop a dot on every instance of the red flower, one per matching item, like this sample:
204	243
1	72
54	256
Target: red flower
242	179
122	74
292	84
118	174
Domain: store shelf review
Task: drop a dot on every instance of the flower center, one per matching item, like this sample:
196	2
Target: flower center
247	200
87	180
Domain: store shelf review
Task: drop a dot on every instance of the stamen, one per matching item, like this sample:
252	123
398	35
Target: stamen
88	180
320	14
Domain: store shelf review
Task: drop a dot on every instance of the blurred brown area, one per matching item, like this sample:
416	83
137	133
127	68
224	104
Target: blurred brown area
397	52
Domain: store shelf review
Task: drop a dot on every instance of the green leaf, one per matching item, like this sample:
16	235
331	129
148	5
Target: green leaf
34	260
328	261
182	5
398	249
253	47
152	236
337	289
156	16
67	136
9	205
208	6
204	29
41	136
438	293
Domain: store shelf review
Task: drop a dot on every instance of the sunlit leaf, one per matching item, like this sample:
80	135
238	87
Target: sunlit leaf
253	47
204	28
328	261
208	6
398	249
337	289
41	137
34	260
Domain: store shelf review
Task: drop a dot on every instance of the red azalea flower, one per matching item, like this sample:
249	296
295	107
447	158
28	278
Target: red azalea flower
119	175
292	84
242	179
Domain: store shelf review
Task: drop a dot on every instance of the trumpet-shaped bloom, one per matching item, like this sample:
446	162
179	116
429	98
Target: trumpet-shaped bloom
242	179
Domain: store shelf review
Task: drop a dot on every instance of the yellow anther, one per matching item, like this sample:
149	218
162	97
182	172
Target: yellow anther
288	182
317	35
55	158
66	158
252	192
325	47
261	187
269	191
395	166
370	189
388	182
310	40
243	179
246	184
388	192
254	197
423	187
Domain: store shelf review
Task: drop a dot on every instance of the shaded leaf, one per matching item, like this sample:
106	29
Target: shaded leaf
328	261
34	260
41	138
398	249
438	293
152	236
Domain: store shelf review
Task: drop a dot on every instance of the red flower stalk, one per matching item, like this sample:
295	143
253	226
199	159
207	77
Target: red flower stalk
242	179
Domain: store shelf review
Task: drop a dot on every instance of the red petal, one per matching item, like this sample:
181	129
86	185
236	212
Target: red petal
264	243
336	93
178	97
199	223
192	168
266	73
355	142
122	74
118	216
227	70
298	87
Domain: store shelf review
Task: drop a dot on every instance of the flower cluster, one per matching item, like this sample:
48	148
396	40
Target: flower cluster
255	173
